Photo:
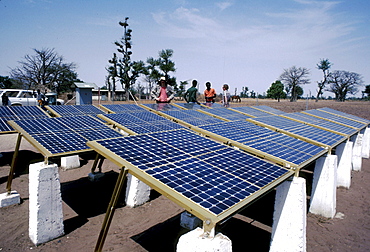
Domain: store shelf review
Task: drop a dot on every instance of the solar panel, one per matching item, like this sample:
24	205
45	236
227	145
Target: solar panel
63	135
321	123
191	117
212	105
161	107
346	115
8	113
252	112
141	122
208	179
335	118
189	106
228	114
269	109
264	142
122	108
300	130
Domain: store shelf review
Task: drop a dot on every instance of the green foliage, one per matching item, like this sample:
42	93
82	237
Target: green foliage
5	82
276	91
367	90
323	65
244	92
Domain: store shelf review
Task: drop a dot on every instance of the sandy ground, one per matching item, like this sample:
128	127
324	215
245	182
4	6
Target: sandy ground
154	226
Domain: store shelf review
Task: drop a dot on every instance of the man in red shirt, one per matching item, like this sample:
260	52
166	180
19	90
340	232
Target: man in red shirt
209	93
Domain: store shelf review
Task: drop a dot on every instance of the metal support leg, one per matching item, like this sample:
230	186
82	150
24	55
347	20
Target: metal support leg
14	162
111	208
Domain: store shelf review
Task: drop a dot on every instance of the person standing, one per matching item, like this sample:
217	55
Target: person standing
209	93
40	98
225	95
190	95
162	93
5	99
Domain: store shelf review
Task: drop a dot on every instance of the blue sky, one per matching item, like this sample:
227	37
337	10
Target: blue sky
239	42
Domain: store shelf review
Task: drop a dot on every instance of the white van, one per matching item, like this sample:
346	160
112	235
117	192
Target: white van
22	97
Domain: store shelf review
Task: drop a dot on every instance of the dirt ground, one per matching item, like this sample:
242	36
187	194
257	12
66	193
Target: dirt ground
154	226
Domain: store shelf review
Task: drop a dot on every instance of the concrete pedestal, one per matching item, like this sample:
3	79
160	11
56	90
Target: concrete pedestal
289	220
137	192
324	187
194	241
9	199
70	162
344	154
366	143
45	203
357	153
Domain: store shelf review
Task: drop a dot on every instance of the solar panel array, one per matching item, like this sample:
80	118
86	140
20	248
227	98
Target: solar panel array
321	123
8	113
346	115
228	114
335	118
122	108
63	135
207	178
301	130
266	143
140	122
74	110
252	112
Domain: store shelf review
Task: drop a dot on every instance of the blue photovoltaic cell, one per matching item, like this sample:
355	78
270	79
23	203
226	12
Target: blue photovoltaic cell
193	117
269	109
303	130
252	111
8	113
162	106
228	114
268	141
210	177
321	123
335	118
66	134
340	113
76	110
124	108
213	105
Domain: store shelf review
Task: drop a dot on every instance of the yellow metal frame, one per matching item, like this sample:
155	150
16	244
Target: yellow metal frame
116	125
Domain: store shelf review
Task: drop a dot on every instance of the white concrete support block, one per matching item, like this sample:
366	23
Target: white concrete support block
357	153
9	199
366	143
45	203
189	221
195	241
70	162
324	187
290	217
344	154
137	192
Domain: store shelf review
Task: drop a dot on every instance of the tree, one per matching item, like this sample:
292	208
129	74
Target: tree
276	91
343	83
5	82
44	70
151	72
166	65
323	65
126	70
293	78
244	92
367	91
